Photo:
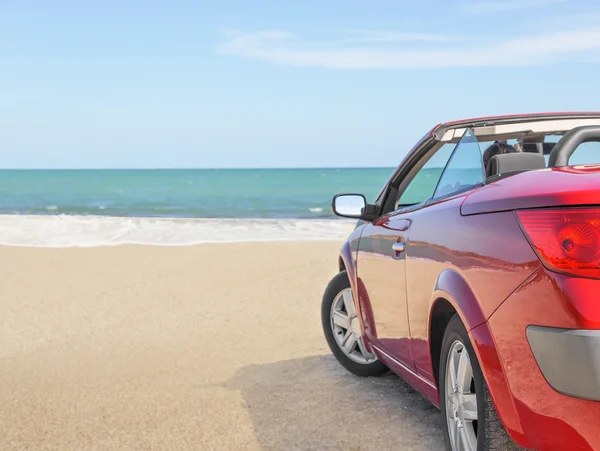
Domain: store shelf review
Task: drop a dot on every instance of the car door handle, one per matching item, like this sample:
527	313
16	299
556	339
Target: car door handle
399	247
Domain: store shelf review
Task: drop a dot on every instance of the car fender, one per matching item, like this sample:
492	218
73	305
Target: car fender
348	256
453	287
348	262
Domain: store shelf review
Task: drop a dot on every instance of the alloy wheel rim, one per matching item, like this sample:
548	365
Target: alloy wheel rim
345	326
461	399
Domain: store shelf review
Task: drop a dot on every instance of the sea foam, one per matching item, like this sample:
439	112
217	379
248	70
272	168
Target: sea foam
93	231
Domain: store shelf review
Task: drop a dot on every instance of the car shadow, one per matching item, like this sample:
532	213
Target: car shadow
313	403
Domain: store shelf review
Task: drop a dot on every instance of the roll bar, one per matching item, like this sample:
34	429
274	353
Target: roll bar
570	141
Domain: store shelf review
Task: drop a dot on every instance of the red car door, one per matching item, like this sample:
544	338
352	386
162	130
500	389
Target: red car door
435	225
382	274
384	248
381	264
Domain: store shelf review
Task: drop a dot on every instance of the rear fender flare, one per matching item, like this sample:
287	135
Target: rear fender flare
452	287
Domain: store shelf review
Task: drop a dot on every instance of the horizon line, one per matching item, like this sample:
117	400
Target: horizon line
200	168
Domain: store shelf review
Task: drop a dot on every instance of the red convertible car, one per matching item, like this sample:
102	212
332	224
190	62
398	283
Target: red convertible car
475	276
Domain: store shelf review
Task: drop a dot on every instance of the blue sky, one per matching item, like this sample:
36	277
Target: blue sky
141	84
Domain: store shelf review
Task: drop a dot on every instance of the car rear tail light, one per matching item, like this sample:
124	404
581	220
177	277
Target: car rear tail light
567	240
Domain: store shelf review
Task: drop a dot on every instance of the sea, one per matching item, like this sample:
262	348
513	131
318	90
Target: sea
83	208
196	193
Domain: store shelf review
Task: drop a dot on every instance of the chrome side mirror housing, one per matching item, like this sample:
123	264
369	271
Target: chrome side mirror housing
353	206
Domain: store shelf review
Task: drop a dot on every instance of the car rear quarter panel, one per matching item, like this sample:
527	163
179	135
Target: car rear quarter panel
474	262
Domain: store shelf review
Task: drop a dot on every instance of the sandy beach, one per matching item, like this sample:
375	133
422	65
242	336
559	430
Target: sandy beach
213	346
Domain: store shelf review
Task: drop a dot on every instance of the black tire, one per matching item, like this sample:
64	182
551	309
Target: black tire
337	285
491	434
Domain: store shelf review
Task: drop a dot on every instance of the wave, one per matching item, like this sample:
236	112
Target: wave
315	210
95	231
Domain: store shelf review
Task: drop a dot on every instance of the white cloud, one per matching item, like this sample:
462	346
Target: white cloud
372	36
497	6
284	48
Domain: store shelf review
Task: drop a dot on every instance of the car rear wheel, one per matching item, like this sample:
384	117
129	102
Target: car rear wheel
341	326
471	422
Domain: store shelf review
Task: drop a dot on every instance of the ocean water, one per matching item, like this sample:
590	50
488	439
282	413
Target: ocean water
203	193
176	207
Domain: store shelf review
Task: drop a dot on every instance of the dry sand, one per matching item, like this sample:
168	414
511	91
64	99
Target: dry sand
203	347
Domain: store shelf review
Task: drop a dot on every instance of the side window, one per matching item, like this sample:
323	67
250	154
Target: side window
464	169
422	186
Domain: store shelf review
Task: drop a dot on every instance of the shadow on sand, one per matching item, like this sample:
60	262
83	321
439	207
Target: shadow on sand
313	403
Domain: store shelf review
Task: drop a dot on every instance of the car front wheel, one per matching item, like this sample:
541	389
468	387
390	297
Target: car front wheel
342	329
470	419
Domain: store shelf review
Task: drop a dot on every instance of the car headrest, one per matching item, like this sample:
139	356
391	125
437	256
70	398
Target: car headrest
544	148
515	162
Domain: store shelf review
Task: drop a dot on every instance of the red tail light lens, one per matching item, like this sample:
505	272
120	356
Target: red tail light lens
567	240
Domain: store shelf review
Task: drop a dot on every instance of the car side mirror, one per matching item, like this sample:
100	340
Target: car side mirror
352	206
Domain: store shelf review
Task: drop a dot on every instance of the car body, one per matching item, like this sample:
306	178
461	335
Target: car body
489	253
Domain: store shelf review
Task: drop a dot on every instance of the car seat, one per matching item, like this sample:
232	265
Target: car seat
514	162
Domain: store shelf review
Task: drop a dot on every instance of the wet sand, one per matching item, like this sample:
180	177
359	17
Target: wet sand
215	346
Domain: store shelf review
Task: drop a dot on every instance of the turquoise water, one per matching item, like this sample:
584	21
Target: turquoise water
202	193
